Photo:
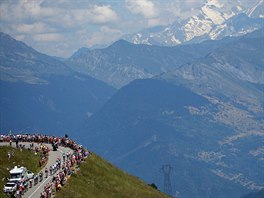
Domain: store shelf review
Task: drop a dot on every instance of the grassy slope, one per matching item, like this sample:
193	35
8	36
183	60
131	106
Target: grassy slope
99	179
25	158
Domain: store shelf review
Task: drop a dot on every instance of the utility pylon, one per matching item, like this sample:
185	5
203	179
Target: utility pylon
166	169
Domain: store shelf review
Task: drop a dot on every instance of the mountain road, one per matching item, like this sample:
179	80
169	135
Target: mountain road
37	189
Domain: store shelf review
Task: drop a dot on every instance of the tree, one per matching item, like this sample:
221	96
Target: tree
153	186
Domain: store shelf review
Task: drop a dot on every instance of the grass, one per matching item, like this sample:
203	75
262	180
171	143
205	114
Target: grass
99	179
25	158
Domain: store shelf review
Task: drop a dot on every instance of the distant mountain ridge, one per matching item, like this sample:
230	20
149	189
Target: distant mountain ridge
215	20
41	93
123	62
21	62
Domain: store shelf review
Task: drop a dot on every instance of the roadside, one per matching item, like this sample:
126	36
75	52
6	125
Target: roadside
62	161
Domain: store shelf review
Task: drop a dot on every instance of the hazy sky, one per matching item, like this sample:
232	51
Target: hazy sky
60	27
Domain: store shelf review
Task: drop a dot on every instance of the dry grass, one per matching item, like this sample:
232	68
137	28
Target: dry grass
99	179
25	158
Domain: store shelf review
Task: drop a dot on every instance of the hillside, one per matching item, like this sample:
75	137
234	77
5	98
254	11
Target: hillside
25	158
158	123
206	116
62	104
20	62
96	177
123	62
99	179
259	194
34	85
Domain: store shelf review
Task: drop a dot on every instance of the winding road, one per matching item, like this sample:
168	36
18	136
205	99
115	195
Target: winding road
35	191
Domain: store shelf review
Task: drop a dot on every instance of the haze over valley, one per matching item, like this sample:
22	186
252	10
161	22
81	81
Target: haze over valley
187	92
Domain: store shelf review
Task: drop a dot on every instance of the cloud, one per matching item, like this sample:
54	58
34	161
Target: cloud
95	15
32	28
154	22
48	37
59	27
103	14
101	38
33	10
25	9
145	8
42	22
20	37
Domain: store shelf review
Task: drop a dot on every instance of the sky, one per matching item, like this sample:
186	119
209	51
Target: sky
61	27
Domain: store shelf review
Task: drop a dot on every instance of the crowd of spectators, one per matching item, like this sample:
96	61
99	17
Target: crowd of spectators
61	170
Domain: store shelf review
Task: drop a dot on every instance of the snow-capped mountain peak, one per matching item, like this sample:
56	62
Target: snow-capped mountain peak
212	11
214	20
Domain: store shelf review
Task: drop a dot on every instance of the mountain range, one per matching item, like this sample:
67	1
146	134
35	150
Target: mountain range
204	118
199	110
215	19
142	55
123	62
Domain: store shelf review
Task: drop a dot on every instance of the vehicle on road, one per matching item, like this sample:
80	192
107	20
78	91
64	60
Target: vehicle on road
17	174
10	188
30	174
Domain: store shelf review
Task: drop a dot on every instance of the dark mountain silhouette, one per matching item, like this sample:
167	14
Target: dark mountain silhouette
40	93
